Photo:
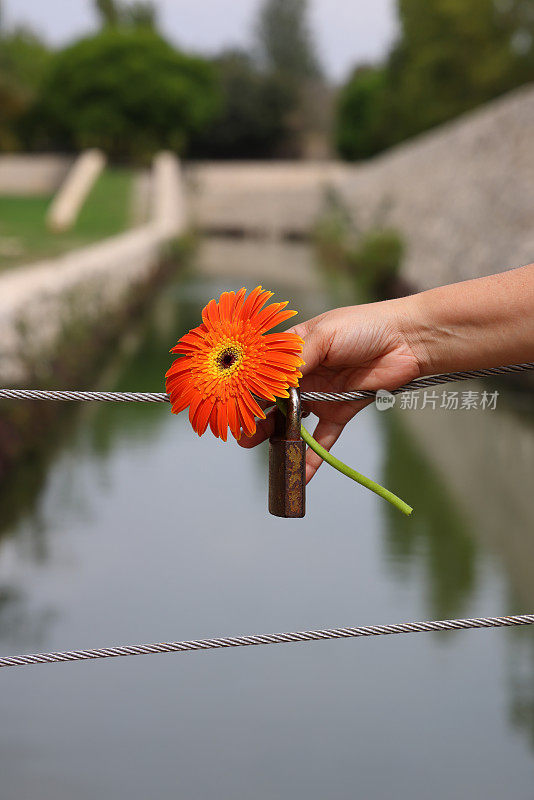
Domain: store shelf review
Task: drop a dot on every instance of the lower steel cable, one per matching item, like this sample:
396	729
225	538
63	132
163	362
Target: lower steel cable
268	638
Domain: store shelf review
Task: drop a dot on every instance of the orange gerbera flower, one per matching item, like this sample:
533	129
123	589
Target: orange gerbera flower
229	358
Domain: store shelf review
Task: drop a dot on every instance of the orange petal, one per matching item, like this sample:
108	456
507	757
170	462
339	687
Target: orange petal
280	350
285	360
274	373
292	340
177	383
202	415
252	405
249	302
226	301
177	378
210	314
259	303
222	420
277	319
213	421
233	420
263	317
181	366
260	389
238	303
196	400
192	340
247	418
177	389
182	401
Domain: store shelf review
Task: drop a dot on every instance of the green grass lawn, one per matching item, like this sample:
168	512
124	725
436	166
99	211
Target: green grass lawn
25	238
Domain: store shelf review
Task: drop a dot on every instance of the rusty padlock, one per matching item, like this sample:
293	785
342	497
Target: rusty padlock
287	462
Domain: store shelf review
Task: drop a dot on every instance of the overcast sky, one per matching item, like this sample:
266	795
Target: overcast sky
347	31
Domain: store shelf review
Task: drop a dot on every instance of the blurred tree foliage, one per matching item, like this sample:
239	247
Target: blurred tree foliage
269	97
125	90
130	92
450	57
362	110
23	63
285	42
108	11
286	50
251	120
139	14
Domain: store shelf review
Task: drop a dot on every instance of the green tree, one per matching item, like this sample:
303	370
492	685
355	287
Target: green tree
285	41
142	15
139	14
453	56
108	11
361	129
125	90
285	48
251	121
450	57
24	60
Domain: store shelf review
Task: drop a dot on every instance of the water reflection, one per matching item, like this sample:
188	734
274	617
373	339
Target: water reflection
468	476
132	529
139	364
483	462
438	535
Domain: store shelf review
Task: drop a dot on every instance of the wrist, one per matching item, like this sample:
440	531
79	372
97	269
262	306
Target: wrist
480	323
419	331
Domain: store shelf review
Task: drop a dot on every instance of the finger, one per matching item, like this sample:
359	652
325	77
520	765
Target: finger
264	430
326	433
316	344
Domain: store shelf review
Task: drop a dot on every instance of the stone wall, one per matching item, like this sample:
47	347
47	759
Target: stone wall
22	174
462	195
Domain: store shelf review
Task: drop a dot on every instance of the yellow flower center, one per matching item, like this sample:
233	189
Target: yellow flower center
226	359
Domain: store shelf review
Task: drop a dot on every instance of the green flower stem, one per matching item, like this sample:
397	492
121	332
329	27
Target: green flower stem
348	471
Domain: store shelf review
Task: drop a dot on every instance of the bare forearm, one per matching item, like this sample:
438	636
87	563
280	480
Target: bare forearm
475	324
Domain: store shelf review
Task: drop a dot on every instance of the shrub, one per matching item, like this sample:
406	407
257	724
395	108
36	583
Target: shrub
333	232
376	262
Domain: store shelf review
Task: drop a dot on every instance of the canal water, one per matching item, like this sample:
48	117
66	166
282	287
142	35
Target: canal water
134	530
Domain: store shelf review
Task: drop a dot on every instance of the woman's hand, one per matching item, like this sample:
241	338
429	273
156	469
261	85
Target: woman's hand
359	347
486	322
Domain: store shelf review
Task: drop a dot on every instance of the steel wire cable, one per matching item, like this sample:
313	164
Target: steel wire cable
276	638
267	638
161	397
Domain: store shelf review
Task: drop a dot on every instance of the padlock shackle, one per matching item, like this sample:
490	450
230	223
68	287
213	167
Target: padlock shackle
287	461
293	415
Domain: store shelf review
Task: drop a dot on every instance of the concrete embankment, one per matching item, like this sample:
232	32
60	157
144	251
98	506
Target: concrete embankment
272	199
39	303
68	202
